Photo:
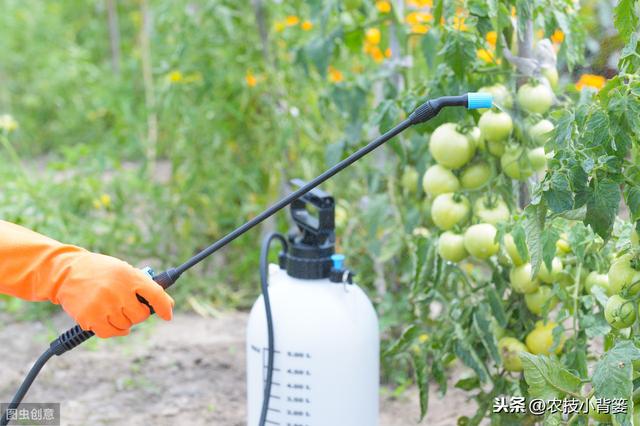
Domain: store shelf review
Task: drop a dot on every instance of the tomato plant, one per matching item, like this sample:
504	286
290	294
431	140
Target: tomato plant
514	247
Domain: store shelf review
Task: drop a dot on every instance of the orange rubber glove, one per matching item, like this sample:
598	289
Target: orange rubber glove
97	291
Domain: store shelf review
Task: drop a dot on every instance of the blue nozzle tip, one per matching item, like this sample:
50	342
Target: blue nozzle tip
477	100
337	260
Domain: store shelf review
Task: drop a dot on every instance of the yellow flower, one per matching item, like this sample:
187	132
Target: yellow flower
492	38
487	56
557	36
423	338
458	23
279	26
291	20
335	76
175	77
383	6
250	79
419	29
372	35
105	200
8	123
387	52
513	11
591	80
306	25
420	3
417	17
377	54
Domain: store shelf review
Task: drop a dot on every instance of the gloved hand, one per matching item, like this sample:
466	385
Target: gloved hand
97	291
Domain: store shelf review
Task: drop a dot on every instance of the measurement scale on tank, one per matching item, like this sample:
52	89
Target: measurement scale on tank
290	403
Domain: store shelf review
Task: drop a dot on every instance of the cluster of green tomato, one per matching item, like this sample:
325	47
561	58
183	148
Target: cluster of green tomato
464	164
623	285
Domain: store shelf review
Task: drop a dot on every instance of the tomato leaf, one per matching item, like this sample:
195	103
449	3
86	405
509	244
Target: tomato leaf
632	199
613	376
458	52
483	328
406	339
496	305
535	216
520	240
422	380
467	354
602	206
626	18
547	378
595	326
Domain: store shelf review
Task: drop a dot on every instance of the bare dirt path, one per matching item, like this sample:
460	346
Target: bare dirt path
186	372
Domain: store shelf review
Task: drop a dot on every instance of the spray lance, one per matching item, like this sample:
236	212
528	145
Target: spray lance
298	198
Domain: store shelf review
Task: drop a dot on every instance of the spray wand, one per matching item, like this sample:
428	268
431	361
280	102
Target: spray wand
75	336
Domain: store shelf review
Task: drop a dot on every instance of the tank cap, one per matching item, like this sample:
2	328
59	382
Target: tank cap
477	100
338	260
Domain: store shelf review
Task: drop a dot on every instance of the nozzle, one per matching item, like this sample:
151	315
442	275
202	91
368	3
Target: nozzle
477	100
431	108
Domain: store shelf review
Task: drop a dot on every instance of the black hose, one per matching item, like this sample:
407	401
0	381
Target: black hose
264	284
26	384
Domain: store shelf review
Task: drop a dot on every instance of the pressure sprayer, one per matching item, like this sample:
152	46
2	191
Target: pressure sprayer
323	368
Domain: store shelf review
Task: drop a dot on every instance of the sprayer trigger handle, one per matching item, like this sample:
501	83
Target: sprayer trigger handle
149	271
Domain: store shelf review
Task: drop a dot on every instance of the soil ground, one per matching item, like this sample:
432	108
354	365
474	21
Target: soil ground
189	371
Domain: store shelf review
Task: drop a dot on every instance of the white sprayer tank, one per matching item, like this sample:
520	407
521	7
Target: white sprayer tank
326	364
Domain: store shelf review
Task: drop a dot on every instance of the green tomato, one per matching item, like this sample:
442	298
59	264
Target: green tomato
540	340
449	210
596	279
521	281
595	414
513	252
537	158
551	74
501	95
540	133
476	175
562	246
619	312
510	349
439	180
409	180
547	276
475	136
537	300
496	148
622	276
449	147
491	211
451	247
479	240
495	126
515	163
535	99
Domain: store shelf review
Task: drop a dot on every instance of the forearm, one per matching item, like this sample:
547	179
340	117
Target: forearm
32	266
